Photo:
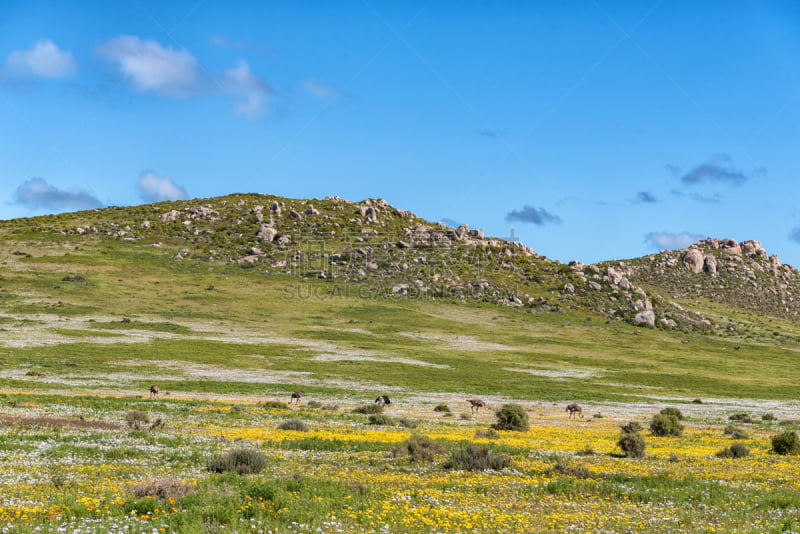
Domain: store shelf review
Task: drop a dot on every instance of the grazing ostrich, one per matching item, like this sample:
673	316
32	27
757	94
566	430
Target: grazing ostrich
383	399
297	395
476	404
154	391
574	409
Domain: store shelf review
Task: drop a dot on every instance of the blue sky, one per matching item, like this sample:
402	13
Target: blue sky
595	130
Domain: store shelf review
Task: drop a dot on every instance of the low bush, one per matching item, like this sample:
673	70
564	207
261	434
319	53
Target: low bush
163	488
666	425
737	450
369	409
632	444
487	433
314	404
293	424
673	411
441	408
631	427
511	417
735	432
741	417
767	417
786	443
569	470
473	457
274	404
136	419
697	401
380	419
242	461
419	448
407	423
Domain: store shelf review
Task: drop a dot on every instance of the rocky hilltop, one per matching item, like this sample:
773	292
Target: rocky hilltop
375	250
741	275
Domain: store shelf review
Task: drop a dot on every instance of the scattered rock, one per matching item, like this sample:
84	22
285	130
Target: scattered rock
647	317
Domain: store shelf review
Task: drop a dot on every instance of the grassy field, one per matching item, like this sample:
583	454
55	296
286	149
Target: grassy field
88	324
73	463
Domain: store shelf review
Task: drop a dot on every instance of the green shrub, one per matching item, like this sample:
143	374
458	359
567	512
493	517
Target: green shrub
293	424
597	415
473	457
274	404
767	417
136	419
697	401
666	425
314	404
735	432
632	444
632	427
419	448
242	461
369	409
673	411
488	433
741	417
786	443
441	408
380	419
511	417
737	450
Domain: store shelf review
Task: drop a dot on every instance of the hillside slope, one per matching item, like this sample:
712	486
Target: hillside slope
371	248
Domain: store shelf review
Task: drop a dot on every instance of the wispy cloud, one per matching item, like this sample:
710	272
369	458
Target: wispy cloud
646	197
717	169
37	193
794	235
43	59
714	198
670	241
254	93
486	132
529	214
152	67
452	223
154	188
321	91
238	44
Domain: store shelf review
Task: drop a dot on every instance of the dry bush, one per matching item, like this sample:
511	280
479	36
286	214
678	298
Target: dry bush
162	488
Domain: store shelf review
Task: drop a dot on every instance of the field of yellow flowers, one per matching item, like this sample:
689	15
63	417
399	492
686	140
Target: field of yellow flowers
84	464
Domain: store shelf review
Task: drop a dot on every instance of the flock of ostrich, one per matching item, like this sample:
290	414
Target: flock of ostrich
475	405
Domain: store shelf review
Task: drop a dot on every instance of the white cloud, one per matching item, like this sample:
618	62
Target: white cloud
37	193
153	67
154	188
254	93
43	59
670	241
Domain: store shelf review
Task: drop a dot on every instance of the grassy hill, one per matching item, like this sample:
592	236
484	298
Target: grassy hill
261	295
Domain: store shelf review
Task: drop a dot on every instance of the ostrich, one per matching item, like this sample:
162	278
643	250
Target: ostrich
297	395
476	404
574	409
383	399
154	391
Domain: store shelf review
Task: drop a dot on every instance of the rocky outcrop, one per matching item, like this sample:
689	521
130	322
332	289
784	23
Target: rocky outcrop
267	233
694	259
